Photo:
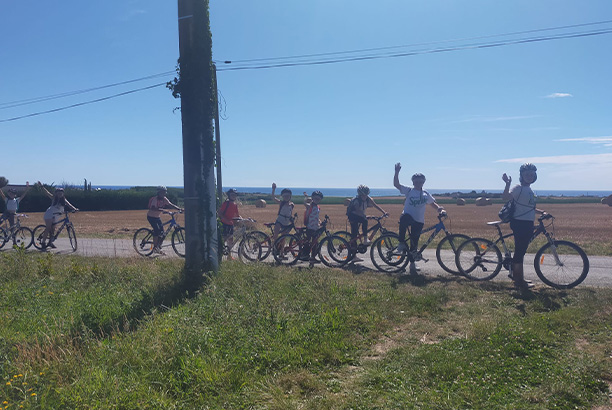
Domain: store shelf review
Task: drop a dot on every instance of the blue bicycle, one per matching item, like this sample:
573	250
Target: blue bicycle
387	258
41	243
143	238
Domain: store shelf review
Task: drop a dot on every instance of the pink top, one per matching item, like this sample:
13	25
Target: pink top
156	205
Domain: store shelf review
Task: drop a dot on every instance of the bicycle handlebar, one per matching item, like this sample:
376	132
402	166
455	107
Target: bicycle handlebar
545	217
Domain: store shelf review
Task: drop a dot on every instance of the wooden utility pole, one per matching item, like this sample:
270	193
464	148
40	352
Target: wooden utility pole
197	111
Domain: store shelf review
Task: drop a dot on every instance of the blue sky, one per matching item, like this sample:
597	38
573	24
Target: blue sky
461	117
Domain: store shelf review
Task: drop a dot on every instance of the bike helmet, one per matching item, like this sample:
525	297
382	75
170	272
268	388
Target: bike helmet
12	191
418	175
286	191
162	188
363	189
232	191
317	193
60	189
528	166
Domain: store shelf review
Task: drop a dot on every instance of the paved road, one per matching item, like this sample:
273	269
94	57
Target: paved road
600	273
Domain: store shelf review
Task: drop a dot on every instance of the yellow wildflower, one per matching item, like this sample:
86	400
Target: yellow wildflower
8	383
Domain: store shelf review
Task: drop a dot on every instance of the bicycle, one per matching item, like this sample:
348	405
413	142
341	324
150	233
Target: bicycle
143	238
20	235
387	258
332	249
242	226
257	245
356	245
559	264
39	231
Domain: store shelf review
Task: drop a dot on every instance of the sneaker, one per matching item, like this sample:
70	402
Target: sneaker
401	247
356	259
51	245
367	242
414	268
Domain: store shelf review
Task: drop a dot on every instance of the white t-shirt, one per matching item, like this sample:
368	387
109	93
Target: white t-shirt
415	202
524	203
313	217
285	209
12	205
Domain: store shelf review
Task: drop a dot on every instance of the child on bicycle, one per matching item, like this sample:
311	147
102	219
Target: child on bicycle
285	211
156	205
413	216
53	213
12	204
228	213
356	212
313	223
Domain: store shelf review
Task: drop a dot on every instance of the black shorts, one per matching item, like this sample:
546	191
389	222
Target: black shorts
156	223
228	230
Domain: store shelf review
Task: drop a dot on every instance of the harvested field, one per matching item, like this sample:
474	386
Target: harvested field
589	225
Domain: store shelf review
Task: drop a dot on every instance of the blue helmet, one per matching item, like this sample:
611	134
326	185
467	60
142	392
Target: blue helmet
527	166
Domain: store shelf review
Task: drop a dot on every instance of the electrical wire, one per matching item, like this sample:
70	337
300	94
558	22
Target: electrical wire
83	103
418	52
307	60
416	44
18	103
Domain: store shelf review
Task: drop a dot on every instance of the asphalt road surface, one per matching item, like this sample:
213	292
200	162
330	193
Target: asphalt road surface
600	272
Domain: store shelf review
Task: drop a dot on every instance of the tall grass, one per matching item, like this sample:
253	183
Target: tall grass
118	334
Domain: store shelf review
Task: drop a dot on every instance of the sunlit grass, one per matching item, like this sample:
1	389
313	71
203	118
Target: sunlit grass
102	333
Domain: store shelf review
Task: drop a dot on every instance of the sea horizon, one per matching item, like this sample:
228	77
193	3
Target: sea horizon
378	192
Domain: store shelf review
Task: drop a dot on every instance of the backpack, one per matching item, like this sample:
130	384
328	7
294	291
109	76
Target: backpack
507	211
351	205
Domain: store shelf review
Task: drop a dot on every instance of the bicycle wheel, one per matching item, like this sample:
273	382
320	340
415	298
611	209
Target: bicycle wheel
478	259
561	265
23	237
3	237
334	251
446	251
178	241
385	256
249	249
72	237
265	243
286	249
39	243
143	241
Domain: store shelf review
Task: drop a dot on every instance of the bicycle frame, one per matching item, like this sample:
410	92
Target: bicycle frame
171	224
436	228
537	231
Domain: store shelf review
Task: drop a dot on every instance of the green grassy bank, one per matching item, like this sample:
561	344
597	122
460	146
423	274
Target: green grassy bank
97	334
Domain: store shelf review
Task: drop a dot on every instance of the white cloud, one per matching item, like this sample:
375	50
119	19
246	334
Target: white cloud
587	159
558	95
605	141
496	119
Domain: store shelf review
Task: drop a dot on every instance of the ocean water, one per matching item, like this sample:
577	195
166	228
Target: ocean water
350	192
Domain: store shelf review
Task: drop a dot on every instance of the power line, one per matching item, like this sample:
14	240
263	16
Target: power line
417	44
18	103
82	103
418	52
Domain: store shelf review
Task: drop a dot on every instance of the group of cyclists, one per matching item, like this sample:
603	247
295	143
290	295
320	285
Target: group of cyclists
51	216
412	218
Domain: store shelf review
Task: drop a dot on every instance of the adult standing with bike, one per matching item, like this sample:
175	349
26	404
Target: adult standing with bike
53	213
522	219
413	216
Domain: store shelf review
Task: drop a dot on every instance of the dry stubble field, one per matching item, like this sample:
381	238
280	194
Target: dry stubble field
589	225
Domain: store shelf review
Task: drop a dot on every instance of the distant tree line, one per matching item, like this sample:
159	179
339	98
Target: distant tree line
96	200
